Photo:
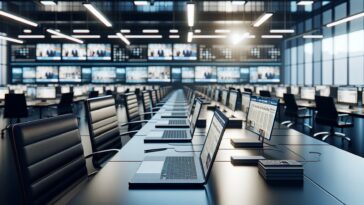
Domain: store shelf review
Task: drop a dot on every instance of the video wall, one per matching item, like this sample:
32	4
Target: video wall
147	74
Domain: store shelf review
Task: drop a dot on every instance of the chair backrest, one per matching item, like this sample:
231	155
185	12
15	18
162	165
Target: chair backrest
132	110
49	157
326	111
264	93
65	104
291	105
15	106
146	103
93	94
109	92
103	126
153	94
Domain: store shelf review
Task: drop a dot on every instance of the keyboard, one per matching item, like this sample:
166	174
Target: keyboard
177	114
179	168
176	122
174	134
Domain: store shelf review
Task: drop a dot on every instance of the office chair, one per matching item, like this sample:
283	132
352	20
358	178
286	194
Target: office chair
65	104
132	113
248	90
109	92
327	115
15	107
292	111
93	94
49	159
147	106
265	93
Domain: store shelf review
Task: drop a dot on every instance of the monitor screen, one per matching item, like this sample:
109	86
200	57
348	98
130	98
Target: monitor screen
308	93
86	75
98	51
265	74
77	91
110	87
261	115
29	75
48	51
31	92
75	51
70	74
233	97
23	53
244	75
184	51
159	74
223	53
245	101
295	90
205	74
228	74
120	53
136	74
188	74
120	75
280	91
65	89
323	90
3	92
217	95
103	74
224	97
158	51
347	95
47	74
16	75
45	92
176	74
99	89
138	52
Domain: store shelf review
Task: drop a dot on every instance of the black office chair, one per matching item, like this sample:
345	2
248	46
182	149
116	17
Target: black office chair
265	93
147	105
327	115
65	104
15	107
248	90
93	94
49	159
109	92
294	112
132	113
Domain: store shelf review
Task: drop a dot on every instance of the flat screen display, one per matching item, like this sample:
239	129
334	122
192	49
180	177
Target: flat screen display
205	74
184	51
46	92
98	51
228	74
265	74
176	74
70	74
86	75
29	75
48	51
103	74
159	74
136	74
72	51
120	53
16	75
244	75
138	52
223	53
23	52
158	51
120	75
188	74
47	74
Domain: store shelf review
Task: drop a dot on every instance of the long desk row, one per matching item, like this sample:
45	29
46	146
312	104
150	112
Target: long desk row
331	176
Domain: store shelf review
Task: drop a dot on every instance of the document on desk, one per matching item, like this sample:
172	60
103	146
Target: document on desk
150	167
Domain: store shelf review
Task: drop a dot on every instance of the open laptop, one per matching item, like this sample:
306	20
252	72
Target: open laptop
176	135
176	113
184	171
181	108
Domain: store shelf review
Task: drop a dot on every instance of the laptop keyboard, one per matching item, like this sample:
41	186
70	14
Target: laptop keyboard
179	168
174	134
177	114
177	122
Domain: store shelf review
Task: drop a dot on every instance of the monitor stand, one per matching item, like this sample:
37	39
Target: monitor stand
248	142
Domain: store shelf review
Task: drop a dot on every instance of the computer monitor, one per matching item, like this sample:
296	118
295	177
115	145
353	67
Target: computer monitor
280	91
224	97
217	93
347	95
31	92
295	90
308	93
233	97
261	115
45	93
110	87
323	90
120	89
99	89
245	101
3	92
65	89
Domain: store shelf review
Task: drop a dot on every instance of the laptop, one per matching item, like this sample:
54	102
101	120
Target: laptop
184	171
176	113
176	135
177	108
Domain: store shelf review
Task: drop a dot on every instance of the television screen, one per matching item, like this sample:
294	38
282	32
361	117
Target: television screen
205	74
120	75
138	52
223	53
176	74
98	51
159	74
72	51
86	75
47	74
228	74
103	74
23	52
205	53
265	74
45	92
120	53
136	74
29	75
184	51
70	74
16	75
188	74
48	51
244	75
157	51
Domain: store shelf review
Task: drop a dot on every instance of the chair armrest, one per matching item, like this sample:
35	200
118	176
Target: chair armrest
133	122
128	133
101	152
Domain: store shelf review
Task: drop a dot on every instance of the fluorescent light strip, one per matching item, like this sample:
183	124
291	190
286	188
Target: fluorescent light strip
17	18
81	31
11	39
173	31
174	36
272	36
64	36
189	36
80	36
282	31
150	30
190	14
48	2
238	3
263	18
222	31
141	3
125	31
122	37
197	30
97	14
209	36
313	36
304	3
27	31
31	36
136	36
344	20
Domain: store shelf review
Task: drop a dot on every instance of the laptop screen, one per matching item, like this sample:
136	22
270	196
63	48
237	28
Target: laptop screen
245	101
261	115
212	141
233	97
224	97
195	115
